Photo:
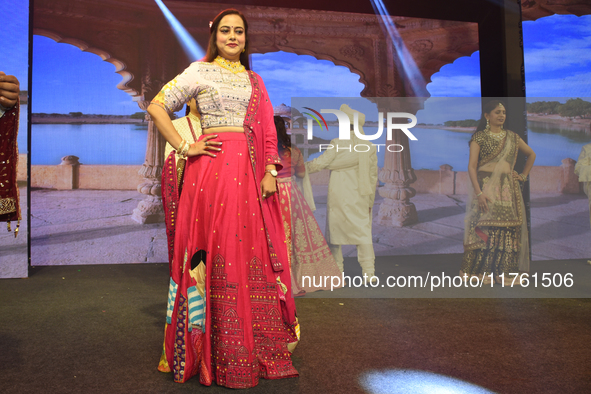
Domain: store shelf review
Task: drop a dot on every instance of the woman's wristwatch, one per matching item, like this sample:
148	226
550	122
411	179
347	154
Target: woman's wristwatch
272	172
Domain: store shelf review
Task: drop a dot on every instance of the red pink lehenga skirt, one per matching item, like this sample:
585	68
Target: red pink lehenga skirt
311	261
244	336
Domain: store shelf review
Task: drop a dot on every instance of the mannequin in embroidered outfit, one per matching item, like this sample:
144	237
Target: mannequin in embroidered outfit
9	118
238	330
495	237
583	170
310	255
351	194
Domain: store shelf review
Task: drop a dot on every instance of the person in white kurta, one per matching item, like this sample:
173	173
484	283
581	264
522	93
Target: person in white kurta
583	170
183	127
351	194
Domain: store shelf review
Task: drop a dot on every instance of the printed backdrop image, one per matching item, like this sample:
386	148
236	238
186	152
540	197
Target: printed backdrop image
94	149
432	170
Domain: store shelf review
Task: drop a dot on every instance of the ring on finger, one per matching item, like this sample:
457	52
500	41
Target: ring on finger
206	143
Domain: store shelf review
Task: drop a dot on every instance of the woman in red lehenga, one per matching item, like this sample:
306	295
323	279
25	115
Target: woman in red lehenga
310	257
230	310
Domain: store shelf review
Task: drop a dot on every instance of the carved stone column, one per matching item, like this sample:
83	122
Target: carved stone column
398	175
150	210
396	210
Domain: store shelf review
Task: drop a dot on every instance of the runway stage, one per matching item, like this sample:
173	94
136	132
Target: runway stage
99	329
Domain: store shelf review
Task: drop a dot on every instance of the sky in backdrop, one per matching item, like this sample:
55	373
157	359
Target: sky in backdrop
14	38
66	79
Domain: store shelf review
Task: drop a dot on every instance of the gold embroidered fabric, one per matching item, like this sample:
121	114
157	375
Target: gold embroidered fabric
500	257
7	205
488	146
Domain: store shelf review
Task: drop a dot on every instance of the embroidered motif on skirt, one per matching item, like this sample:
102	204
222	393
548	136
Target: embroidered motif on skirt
180	343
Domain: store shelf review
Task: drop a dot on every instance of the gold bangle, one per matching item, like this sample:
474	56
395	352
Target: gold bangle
185	150
182	150
478	195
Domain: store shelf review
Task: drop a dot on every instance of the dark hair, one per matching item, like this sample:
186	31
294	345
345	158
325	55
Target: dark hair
283	139
212	48
487	109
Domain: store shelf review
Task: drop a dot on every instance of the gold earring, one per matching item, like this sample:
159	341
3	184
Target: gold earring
243	50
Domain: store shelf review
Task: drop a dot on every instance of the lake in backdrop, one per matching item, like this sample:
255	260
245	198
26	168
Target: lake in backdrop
21	139
92	143
126	144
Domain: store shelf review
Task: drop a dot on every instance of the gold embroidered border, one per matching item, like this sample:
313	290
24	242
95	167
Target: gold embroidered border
494	154
500	147
7	205
474	246
517	202
516	188
515	146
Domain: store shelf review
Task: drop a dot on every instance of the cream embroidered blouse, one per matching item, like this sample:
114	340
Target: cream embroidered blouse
222	90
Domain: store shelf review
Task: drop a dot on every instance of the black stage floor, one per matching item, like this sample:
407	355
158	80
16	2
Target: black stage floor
99	329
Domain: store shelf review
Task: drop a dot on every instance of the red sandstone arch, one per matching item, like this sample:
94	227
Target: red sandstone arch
323	56
120	66
440	67
532	10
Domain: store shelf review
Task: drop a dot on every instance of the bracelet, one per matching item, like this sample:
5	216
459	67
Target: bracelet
184	149
523	176
180	148
478	195
181	145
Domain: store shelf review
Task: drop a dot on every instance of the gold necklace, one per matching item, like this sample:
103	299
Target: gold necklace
497	136
235	67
